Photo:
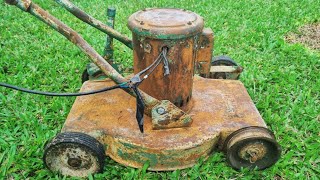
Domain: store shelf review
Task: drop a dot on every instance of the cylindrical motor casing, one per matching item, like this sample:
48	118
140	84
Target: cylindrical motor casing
179	31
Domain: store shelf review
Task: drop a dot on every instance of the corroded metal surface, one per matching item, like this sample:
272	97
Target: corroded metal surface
165	23
164	116
108	49
217	111
204	53
231	72
176	87
152	30
253	152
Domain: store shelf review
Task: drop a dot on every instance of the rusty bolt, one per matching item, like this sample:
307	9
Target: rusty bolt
161	110
147	48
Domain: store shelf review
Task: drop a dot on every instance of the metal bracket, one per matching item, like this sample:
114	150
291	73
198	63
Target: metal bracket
165	116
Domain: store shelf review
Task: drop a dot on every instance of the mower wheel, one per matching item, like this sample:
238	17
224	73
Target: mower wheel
222	61
252	147
74	154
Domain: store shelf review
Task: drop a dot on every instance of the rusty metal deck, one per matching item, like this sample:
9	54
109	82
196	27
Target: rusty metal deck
219	107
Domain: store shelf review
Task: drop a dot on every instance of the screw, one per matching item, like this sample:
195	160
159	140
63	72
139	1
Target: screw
161	110
147	48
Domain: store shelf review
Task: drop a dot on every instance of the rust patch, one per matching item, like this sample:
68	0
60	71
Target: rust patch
204	53
164	116
253	152
165	23
175	87
308	34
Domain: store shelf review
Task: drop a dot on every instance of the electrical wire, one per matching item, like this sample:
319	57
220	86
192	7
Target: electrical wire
123	85
150	68
133	83
161	57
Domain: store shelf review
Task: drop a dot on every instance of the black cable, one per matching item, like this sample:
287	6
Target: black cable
62	94
161	57
151	68
151	65
154	67
136	81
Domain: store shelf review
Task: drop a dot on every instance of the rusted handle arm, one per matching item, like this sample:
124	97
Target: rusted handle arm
150	102
94	22
75	38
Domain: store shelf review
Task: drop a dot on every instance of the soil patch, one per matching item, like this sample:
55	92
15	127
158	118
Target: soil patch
308	34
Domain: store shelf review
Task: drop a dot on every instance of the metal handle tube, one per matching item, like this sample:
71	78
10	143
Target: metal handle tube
75	38
108	49
94	22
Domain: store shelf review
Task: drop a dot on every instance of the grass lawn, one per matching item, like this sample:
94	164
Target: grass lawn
281	78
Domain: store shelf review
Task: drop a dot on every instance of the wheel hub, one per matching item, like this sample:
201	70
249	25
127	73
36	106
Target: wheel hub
253	152
74	162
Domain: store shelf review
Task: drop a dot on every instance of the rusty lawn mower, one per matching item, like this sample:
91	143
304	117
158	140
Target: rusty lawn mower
180	105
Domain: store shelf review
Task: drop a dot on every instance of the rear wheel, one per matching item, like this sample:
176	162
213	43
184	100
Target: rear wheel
223	61
74	154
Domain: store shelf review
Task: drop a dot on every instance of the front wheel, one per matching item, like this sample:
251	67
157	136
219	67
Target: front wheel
74	154
252	147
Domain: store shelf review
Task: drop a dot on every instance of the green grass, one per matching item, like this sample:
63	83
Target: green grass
282	79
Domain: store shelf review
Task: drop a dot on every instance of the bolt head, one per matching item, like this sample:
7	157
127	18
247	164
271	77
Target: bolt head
161	110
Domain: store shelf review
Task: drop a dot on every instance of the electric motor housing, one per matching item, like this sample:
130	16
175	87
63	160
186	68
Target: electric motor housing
179	31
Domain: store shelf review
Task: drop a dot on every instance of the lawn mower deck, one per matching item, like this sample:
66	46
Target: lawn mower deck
219	107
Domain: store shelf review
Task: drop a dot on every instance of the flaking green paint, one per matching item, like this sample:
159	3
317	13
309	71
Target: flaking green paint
128	145
136	157
187	120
